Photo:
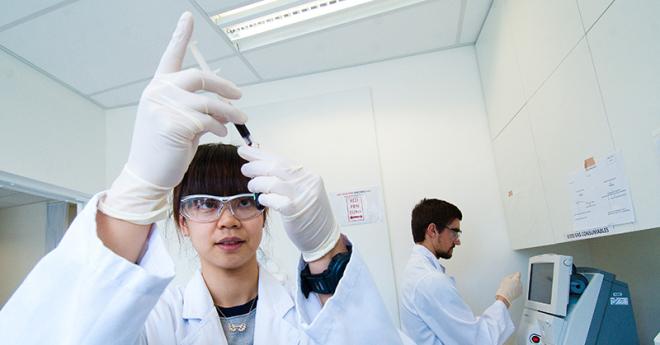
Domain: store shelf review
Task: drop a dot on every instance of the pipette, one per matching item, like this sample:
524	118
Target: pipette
242	129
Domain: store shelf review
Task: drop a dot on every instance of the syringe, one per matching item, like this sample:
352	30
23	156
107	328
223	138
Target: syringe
242	129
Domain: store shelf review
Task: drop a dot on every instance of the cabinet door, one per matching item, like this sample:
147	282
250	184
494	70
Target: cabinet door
626	56
568	126
520	185
501	80
545	32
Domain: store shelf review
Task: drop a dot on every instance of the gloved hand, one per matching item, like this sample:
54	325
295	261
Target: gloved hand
298	195
510	287
170	119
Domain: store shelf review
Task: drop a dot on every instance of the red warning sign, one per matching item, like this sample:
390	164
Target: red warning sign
355	208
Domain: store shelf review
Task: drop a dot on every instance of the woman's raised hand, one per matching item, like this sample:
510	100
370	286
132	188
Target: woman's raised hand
171	117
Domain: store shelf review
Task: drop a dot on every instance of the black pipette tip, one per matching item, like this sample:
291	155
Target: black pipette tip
245	133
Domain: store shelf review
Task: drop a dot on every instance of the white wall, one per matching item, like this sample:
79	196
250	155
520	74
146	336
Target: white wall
22	244
432	139
49	133
348	158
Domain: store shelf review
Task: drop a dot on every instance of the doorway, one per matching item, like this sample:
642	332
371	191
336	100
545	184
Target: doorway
33	219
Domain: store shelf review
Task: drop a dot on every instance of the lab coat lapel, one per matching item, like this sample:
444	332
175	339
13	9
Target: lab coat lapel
431	260
275	313
199	314
429	257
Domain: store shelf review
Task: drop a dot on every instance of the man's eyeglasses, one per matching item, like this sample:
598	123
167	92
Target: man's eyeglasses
455	232
204	208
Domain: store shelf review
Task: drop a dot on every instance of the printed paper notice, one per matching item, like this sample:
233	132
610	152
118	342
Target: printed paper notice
357	207
601	198
588	212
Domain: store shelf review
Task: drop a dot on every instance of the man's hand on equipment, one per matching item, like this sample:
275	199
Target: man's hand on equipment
510	288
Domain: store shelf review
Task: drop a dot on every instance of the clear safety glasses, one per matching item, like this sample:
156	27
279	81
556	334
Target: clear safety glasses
455	232
204	208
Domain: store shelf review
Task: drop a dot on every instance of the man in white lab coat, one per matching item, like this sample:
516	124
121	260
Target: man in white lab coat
432	311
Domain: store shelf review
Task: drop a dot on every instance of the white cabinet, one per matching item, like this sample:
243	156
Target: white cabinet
626	55
521	188
597	94
568	125
591	10
498	66
545	32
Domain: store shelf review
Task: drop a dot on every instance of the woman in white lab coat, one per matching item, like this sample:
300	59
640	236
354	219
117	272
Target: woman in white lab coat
106	283
231	287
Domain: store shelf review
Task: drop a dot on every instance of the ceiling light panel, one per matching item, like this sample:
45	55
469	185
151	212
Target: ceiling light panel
271	21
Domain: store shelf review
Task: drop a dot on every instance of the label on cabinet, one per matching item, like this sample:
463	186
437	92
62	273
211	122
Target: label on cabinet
589	233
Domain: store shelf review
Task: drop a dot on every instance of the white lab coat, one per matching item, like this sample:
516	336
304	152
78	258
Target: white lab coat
433	312
83	293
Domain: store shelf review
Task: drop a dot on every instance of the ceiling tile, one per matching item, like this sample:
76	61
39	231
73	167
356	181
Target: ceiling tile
95	45
122	96
235	70
419	28
475	14
231	68
23	9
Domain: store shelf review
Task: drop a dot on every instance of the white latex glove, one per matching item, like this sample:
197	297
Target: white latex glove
510	287
170	119
298	195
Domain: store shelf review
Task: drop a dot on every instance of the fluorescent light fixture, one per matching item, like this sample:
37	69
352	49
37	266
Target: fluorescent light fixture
271	21
247	8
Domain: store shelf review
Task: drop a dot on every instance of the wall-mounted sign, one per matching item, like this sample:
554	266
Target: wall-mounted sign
362	206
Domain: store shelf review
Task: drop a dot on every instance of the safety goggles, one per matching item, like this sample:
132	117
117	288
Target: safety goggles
204	208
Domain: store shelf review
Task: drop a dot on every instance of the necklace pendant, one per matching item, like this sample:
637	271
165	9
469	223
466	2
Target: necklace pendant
237	327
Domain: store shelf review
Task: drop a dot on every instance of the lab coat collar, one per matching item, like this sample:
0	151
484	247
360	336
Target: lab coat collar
274	294
197	301
426	254
274	303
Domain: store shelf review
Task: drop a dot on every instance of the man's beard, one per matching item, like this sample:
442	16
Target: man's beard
444	255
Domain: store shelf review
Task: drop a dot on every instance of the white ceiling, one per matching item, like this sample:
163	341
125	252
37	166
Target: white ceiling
107	50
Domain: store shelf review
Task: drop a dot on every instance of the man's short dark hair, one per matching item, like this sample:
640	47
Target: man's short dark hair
427	211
